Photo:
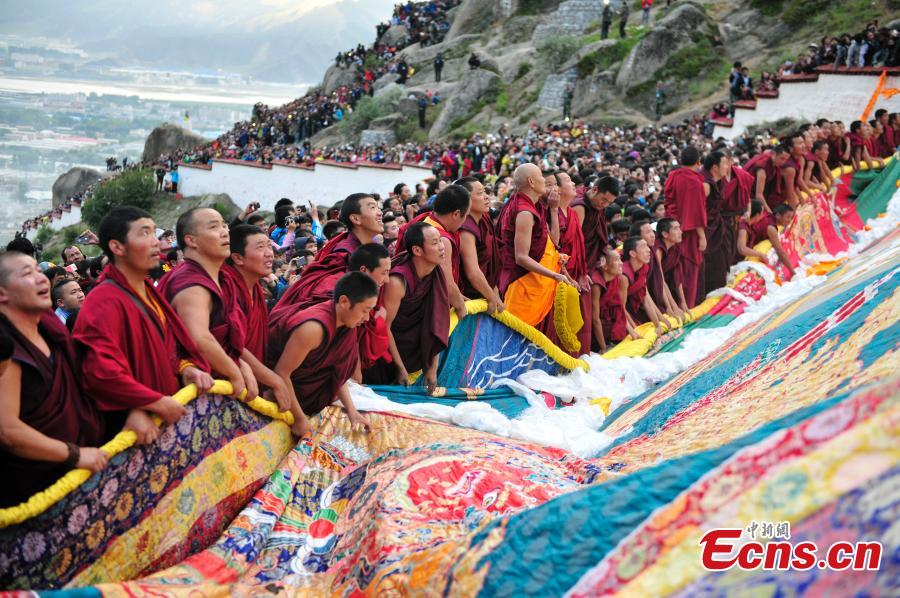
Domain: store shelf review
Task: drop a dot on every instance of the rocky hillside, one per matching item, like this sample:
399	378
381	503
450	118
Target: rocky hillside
531	50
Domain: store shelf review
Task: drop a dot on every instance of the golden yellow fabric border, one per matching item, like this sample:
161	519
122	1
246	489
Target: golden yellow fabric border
124	440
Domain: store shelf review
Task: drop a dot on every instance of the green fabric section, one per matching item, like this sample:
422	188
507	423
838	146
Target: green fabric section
874	199
705	322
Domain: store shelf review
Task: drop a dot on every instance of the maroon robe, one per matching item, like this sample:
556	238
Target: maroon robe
720	241
510	271
736	194
686	202
130	358
421	327
671	266
836	148
612	311
50	402
452	237
758	231
571	243
487	250
888	142
318	279
328	366
250	305
773	191
637	290
225	322
797	164
594	232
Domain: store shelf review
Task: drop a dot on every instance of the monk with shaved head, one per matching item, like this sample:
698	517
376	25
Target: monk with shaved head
530	262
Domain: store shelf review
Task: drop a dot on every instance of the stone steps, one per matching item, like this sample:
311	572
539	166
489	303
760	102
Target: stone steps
553	93
571	18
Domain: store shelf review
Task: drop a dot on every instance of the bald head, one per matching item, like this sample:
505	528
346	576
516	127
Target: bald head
529	180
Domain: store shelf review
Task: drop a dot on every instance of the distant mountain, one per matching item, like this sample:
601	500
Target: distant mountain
273	40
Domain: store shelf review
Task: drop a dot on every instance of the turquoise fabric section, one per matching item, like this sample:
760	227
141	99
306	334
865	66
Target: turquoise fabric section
546	550
502	399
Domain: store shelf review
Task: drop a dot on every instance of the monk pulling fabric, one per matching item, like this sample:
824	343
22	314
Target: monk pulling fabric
136	352
362	217
639	305
251	259
720	243
317	348
686	202
449	211
765	168
418	310
761	226
668	252
478	248
195	289
374	260
609	289
530	262
46	426
571	243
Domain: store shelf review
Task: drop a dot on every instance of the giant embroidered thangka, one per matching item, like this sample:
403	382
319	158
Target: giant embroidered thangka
793	419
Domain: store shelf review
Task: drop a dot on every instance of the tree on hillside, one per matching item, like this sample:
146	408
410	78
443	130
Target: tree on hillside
131	188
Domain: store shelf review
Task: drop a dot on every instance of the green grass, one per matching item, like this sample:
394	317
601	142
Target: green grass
502	101
829	16
523	70
554	52
768	8
701	67
535	7
600	60
409	130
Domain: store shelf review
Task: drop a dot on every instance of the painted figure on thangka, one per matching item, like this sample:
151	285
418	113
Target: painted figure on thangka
793	420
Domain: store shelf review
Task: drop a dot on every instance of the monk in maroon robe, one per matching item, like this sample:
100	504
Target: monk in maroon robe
48	427
374	260
136	353
668	254
362	217
760	226
449	211
418	309
838	146
478	248
792	170
251	259
571	243
197	291
765	168
656	280
317	348
608	294
590	211
639	306
737	187
530	261
686	202
720	242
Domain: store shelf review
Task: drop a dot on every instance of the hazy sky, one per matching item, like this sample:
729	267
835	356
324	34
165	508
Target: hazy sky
276	40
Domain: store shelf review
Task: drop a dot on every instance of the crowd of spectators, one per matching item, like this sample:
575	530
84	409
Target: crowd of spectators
874	46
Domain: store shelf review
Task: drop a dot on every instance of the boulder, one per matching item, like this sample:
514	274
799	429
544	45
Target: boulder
598	46
394	35
336	76
475	16
389	121
669	35
377	137
408	106
76	180
473	86
385	82
167	138
424	56
520	27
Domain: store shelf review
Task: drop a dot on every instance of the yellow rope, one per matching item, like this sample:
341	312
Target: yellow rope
567	317
125	439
